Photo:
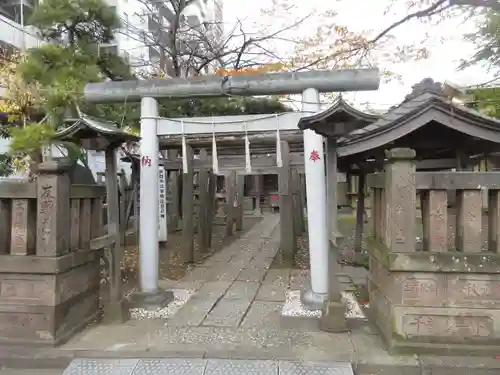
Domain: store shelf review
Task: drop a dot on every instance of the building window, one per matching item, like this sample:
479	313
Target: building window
108	49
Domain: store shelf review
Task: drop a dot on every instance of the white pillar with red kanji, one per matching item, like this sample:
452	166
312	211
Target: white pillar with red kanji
148	229
314	164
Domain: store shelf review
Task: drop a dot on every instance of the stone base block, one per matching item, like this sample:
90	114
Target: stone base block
434	312
116	312
333	317
48	325
156	300
48	307
305	323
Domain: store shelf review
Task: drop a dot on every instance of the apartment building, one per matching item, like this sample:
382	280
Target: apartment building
144	21
13	14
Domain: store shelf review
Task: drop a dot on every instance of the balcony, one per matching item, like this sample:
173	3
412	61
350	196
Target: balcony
12	33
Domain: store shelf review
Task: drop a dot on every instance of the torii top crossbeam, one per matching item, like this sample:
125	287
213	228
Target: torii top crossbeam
212	86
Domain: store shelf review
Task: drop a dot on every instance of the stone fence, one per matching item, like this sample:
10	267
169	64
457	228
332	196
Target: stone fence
441	293
51	241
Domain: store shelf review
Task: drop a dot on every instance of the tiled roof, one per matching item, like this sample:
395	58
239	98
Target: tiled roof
338	106
411	108
99	126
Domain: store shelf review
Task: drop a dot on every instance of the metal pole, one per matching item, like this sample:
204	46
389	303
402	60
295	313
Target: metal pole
316	209
262	84
148	230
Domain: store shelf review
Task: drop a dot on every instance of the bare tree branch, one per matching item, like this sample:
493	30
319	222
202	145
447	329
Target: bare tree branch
186	48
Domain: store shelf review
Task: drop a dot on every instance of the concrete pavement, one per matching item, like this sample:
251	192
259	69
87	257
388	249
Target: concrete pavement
183	366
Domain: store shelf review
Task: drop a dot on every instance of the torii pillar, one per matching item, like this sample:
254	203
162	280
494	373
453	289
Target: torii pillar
317	220
324	293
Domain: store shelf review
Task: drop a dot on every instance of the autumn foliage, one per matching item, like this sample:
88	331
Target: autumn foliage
258	69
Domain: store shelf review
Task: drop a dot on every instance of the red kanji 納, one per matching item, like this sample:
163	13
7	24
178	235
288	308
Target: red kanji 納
146	161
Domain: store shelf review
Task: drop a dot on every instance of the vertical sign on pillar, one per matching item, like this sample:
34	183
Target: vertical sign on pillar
162	202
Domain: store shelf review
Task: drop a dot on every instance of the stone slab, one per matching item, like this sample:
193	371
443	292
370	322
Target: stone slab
252	274
194	311
241	289
278	275
214	289
272	293
225	273
263	315
197	274
228	312
274	286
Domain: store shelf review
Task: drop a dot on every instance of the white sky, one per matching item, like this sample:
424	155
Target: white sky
369	15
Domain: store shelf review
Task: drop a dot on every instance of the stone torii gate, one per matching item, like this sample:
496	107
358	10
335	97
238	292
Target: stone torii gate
309	84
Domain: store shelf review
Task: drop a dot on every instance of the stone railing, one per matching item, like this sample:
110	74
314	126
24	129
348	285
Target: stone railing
50	248
441	292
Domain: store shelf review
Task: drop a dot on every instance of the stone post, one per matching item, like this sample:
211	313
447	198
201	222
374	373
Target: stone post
53	214
332	184
400	200
257	182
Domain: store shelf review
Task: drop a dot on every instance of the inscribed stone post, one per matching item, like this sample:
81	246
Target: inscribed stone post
123	200
434	220
230	182
113	224
75	223
173	206
288	245
23	227
469	221
400	200
204	203
53	213
212	187
298	209
240	210
360	211
188	209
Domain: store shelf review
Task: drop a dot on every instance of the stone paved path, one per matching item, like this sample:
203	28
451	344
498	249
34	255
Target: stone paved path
235	313
229	284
